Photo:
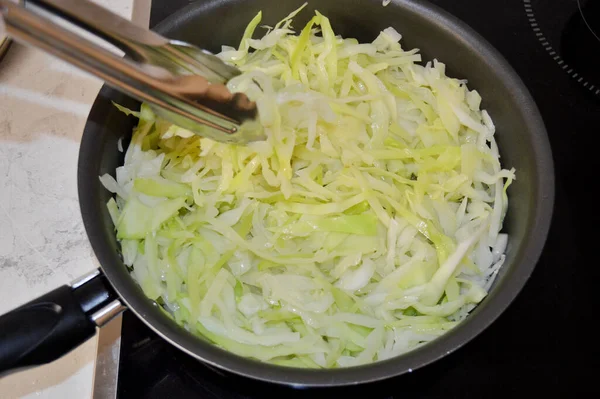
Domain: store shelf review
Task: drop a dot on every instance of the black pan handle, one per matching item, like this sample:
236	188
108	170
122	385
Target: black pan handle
52	325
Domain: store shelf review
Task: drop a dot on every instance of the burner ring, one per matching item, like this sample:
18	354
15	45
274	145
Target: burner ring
568	68
586	21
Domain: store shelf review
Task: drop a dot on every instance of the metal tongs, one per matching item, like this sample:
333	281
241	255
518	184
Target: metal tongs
182	83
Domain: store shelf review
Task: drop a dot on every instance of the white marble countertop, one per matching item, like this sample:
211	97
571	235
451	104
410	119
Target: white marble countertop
43	107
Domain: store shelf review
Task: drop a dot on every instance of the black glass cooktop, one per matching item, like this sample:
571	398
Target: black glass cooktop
546	343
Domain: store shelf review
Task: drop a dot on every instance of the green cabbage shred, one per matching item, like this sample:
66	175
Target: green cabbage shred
368	222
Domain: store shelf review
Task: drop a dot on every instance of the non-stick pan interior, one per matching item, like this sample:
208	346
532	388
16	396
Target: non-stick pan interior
520	134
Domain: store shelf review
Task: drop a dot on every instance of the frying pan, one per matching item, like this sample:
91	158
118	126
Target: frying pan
48	327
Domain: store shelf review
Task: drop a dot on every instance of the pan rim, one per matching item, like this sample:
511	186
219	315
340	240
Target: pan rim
442	346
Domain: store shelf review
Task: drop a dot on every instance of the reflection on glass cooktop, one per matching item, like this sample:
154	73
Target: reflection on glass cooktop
543	344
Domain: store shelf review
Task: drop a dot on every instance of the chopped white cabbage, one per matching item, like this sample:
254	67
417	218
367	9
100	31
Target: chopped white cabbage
367	224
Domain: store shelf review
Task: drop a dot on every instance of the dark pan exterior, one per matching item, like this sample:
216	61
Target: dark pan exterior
521	138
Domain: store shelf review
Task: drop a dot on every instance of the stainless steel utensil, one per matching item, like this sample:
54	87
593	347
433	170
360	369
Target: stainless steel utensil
182	83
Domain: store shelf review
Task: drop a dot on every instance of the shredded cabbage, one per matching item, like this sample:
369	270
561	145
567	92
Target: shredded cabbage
367	224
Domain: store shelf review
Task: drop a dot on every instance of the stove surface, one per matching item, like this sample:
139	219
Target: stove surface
543	344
